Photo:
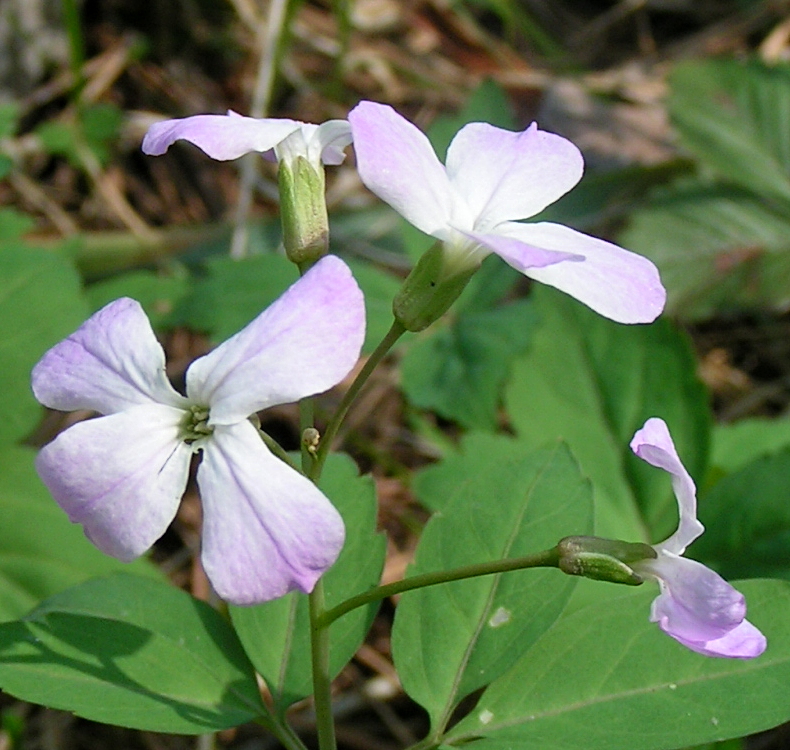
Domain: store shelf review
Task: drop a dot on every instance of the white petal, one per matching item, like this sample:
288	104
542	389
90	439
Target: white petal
331	138
306	342
505	175
112	362
267	529
397	162
121	476
653	444
743	642
222	137
616	283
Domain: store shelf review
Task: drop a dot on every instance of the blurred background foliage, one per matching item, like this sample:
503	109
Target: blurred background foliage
682	109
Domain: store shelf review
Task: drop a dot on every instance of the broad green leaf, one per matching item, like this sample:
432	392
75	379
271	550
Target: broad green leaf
604	678
593	383
735	115
41	551
737	444
451	639
459	370
747	520
159	294
276	635
133	652
13	224
40	303
718	248
234	292
379	289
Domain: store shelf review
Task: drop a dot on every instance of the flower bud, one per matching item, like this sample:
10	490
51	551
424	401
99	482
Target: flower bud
603	559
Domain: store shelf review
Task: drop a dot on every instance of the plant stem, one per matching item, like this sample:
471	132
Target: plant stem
546	559
394	333
322	683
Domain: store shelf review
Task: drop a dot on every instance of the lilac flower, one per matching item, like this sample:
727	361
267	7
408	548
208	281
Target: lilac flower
696	606
267	529
494	177
230	136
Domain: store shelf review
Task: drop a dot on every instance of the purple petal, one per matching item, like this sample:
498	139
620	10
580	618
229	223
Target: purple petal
616	283
222	137
306	342
695	603
653	444
397	162
506	176
743	642
520	255
121	476
112	362
267	529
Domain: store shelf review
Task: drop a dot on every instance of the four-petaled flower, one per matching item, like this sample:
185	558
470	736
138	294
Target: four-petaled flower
267	529
696	606
230	136
493	178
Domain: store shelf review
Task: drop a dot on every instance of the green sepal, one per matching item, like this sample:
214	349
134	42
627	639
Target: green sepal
430	289
303	211
603	559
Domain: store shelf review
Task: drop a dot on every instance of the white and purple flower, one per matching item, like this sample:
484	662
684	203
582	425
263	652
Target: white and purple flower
492	179
267	529
225	137
696	606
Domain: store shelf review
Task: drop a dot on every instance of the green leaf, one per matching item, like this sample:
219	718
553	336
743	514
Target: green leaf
451	639
747	520
593	383
459	370
13	224
9	119
737	444
234	292
40	303
159	294
101	124
41	551
605	678
735	115
718	248
379	289
132	652
276	635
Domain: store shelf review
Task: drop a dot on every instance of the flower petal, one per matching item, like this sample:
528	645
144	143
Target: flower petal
222	137
304	343
112	362
743	642
505	175
397	162
121	476
267	529
520	255
616	283
653	444
332	137
695	603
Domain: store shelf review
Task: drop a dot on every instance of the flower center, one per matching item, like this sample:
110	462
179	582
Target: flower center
194	425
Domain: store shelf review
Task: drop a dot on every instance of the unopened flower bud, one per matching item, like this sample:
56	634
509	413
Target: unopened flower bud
303	211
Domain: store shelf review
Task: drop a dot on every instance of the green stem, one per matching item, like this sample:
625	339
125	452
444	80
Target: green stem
547	559
282	732
322	683
71	20
394	333
277	449
306	420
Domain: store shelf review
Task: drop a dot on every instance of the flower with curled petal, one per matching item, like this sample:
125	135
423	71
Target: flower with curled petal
494	178
225	137
267	529
696	606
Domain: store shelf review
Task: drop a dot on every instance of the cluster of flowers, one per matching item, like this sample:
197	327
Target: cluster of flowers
267	529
